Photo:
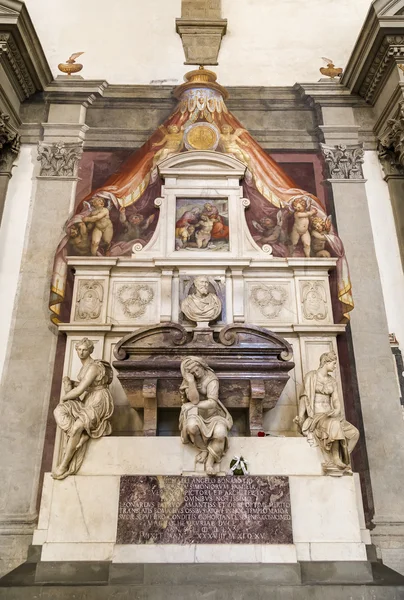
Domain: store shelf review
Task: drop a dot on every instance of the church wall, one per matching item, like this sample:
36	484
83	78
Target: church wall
12	236
267	42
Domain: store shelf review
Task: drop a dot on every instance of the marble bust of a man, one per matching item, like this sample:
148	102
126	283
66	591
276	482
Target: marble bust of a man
201	306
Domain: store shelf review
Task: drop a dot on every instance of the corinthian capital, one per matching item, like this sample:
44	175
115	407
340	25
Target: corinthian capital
344	162
60	159
391	143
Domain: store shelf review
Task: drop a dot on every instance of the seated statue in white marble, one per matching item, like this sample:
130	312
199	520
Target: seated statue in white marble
202	305
321	420
86	417
204	421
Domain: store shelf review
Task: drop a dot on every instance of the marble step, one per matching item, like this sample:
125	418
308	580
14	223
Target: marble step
147	580
204	592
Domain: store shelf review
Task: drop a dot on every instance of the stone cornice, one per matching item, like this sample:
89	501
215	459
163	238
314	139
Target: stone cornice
74	90
379	46
327	93
21	54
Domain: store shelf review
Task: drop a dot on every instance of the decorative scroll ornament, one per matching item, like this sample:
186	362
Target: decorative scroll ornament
270	299
314	301
391	143
344	162
134	299
60	159
89	301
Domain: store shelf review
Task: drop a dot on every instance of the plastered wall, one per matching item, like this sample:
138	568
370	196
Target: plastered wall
268	42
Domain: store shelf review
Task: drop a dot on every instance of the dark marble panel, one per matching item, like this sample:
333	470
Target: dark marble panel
204	510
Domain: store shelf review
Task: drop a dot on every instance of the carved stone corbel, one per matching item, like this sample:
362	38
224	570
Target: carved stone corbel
344	162
60	159
201	29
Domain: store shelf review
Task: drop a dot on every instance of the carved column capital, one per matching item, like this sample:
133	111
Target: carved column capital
60	159
344	162
391	143
9	144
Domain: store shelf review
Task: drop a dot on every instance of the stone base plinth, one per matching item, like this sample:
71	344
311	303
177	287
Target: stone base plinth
79	515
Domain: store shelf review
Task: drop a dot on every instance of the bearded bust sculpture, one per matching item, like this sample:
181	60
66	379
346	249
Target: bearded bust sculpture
201	306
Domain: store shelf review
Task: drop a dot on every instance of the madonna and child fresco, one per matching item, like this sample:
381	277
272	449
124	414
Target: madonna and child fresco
121	213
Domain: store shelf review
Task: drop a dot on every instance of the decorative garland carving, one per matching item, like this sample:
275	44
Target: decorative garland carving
60	159
344	162
134	299
270	299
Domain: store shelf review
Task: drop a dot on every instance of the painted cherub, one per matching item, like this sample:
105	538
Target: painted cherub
300	206
269	230
101	224
319	228
230	141
172	142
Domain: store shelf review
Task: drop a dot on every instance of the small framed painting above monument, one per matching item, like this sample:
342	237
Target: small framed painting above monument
202	224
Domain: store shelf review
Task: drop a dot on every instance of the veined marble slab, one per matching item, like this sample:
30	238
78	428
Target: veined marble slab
167	456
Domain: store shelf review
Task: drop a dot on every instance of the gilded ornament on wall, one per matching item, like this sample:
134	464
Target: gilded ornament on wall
201	136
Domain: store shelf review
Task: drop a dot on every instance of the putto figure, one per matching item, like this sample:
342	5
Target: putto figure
204	421
86	417
201	306
172	142
321	420
302	210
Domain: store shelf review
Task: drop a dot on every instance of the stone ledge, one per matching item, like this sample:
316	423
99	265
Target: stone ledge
359	579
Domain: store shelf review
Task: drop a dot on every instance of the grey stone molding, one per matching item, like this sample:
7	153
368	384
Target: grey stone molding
344	162
21	54
60	159
379	47
201	29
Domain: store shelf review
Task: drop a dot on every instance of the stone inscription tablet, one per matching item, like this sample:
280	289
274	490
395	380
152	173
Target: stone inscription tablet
204	510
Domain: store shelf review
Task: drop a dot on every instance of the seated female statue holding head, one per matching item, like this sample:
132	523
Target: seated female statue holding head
204	421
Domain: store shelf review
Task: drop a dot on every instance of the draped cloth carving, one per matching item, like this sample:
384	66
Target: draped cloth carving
137	184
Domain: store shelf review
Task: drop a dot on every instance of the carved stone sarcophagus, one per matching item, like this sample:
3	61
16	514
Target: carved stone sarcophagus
252	365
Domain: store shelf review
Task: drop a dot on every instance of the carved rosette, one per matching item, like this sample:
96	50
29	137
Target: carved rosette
391	144
60	159
344	162
9	143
